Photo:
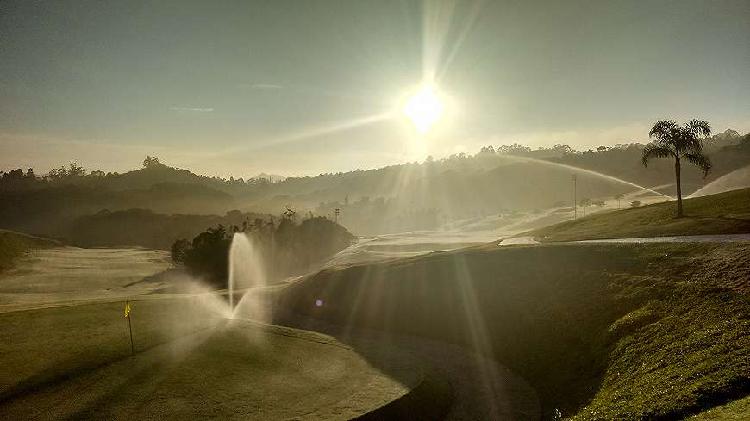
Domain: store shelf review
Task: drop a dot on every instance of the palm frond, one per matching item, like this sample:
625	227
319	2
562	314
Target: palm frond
699	160
655	150
691	144
665	131
699	128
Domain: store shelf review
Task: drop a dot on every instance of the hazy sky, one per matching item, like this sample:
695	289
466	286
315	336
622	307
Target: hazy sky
294	87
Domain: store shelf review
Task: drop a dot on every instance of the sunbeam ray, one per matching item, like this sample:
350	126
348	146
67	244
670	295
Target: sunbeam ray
306	134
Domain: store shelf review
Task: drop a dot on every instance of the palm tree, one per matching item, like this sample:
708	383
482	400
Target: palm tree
618	197
585	202
673	140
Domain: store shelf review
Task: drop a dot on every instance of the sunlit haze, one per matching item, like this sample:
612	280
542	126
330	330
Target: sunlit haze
296	89
375	210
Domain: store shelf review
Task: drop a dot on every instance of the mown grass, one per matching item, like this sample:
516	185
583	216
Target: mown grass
646	331
725	213
75	363
14	244
38	347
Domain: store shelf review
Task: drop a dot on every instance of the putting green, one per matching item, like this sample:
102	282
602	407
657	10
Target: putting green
74	362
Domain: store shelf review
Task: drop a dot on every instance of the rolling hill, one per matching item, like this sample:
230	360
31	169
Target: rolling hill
14	244
724	213
397	198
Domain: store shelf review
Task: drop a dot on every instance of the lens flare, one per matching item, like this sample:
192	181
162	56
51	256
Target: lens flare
424	108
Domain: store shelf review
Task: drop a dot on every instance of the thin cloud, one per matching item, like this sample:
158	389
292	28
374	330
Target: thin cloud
192	109
260	86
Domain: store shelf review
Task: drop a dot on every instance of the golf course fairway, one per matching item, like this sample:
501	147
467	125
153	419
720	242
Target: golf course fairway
76	362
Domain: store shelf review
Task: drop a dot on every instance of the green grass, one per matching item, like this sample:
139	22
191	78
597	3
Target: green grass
651	331
725	213
39	347
14	244
691	356
74	362
735	410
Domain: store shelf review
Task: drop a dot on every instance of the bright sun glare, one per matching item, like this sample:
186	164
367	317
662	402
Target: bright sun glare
423	108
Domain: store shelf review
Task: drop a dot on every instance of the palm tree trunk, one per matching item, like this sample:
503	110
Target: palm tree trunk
679	187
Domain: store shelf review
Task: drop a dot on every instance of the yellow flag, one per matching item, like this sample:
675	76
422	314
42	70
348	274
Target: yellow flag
127	308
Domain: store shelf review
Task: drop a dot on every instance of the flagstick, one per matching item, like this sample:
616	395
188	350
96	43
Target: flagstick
130	329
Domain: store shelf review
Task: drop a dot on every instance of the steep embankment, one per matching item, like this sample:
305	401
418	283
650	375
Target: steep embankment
655	331
725	213
14	244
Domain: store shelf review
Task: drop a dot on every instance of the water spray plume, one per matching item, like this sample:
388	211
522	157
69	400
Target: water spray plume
246	272
737	179
589	172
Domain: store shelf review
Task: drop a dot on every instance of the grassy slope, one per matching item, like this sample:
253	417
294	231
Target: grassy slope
725	213
74	362
15	244
602	331
735	410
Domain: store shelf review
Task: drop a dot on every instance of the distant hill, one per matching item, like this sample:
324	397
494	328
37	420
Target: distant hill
728	151
50	209
145	228
404	197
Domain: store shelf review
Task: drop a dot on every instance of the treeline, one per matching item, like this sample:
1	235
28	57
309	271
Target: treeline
152	172
286	247
728	151
411	196
497	179
52	204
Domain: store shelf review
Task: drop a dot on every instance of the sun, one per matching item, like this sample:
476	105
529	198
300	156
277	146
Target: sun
424	108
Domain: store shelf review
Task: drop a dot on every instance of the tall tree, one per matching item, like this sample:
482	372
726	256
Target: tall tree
618	197
585	202
679	142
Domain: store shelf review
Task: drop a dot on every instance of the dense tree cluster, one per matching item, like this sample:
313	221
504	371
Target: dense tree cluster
286	247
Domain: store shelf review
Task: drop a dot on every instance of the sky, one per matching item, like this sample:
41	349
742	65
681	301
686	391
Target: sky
305	87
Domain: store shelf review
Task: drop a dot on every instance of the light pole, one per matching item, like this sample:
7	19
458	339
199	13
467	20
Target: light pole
575	198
